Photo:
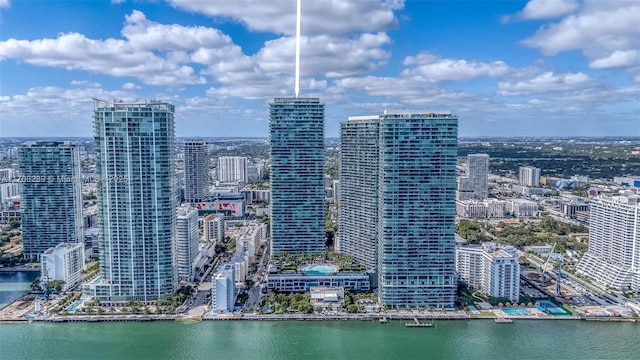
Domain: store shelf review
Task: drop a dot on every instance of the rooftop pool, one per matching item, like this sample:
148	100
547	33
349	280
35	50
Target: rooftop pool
320	270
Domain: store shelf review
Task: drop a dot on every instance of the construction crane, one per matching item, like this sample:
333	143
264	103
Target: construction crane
544	267
558	257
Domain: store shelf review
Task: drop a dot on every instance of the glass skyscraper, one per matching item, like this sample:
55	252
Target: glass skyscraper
196	172
416	209
358	215
297	175
134	145
51	195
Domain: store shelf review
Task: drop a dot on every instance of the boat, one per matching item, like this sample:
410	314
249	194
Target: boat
501	320
383	320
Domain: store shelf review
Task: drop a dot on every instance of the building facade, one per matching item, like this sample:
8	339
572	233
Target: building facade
134	145
416	209
613	256
475	185
213	225
186	242
223	290
296	128
529	176
196	172
51	195
233	168
493	270
63	262
358	215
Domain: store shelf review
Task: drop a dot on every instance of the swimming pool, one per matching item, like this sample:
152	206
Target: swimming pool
516	311
320	270
72	308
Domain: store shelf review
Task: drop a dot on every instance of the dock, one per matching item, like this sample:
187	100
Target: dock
417	323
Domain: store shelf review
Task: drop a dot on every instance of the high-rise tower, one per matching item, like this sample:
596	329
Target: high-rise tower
136	209
613	257
416	209
233	168
358	216
51	195
297	175
196	174
475	185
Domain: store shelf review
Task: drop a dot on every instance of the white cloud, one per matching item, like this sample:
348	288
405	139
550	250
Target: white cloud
130	86
548	9
4	4
544	82
117	1
326	55
319	17
433	69
607	33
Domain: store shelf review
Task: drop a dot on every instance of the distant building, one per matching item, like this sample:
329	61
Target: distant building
571	208
522	208
64	262
630	181
529	176
50	195
223	290
213	225
7	192
488	268
196	168
475	185
481	209
186	241
613	257
233	168
296	128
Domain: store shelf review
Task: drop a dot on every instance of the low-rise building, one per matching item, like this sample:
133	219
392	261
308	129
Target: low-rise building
490	269
522	208
223	290
64	262
213	225
293	281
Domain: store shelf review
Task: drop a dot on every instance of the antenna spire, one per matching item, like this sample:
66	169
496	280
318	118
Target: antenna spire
297	83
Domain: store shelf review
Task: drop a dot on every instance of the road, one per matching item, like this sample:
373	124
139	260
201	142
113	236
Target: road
595	289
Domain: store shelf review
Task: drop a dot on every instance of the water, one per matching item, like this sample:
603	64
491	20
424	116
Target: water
474	339
516	311
15	284
320	270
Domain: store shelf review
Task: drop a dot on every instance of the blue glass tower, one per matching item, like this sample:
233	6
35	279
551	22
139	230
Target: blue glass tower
358	215
136	207
416	209
296	128
51	195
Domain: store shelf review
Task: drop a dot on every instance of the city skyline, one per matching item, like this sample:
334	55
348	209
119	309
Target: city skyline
221	64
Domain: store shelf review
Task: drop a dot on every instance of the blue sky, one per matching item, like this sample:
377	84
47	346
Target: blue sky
507	68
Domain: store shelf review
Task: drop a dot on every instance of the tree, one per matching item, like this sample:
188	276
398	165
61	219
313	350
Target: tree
56	285
35	284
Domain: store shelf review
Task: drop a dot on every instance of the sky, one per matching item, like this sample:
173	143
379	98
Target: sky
506	68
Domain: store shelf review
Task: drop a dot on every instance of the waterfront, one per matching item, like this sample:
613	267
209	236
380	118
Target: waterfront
15	284
478	339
